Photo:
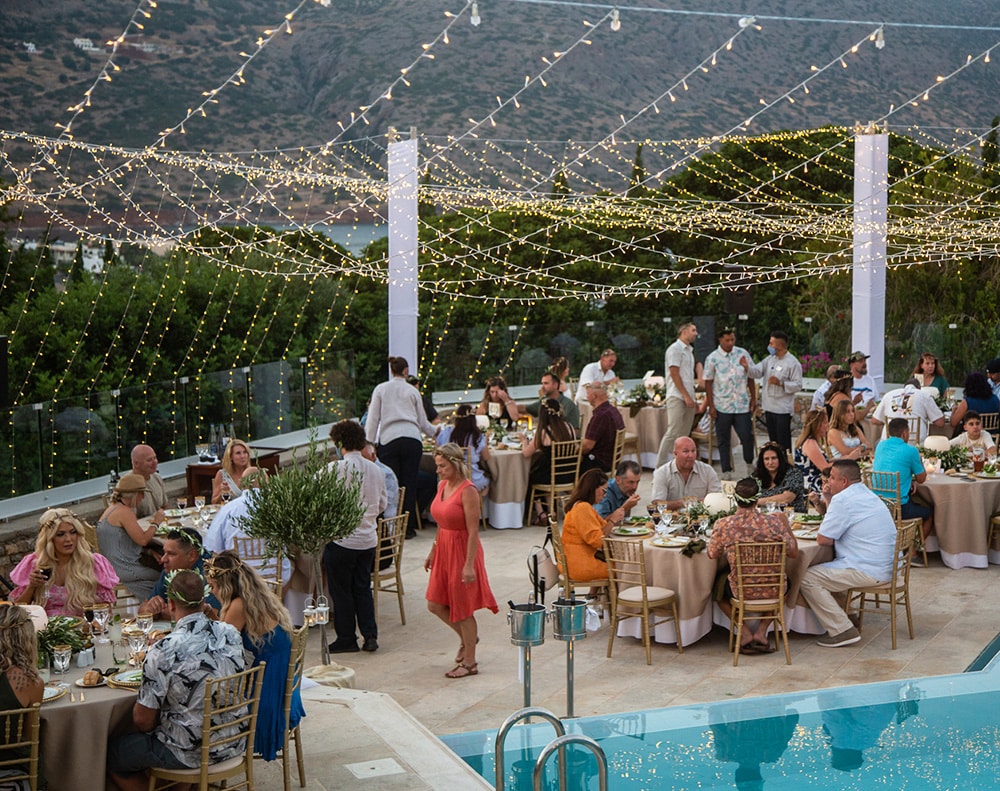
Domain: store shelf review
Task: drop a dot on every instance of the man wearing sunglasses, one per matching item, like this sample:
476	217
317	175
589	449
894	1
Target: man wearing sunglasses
182	549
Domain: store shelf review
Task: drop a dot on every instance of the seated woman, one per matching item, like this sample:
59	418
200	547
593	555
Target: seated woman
808	456
974	436
978	398
20	684
263	622
122	538
228	480
62	574
929	373
780	482
821	500
466	434
551	427
497	403
844	437
584	529
840	390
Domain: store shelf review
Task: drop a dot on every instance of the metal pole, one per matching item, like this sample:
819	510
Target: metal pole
569	677
403	287
526	665
305	404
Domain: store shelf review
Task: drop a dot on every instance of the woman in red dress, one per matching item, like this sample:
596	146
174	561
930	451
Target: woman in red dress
458	584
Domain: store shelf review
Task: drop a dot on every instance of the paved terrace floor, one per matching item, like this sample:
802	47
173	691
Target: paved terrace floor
954	620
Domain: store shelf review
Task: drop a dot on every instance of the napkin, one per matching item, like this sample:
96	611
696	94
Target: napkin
694	546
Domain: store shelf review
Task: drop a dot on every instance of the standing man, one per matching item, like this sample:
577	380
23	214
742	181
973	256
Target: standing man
144	463
863	534
685	476
782	379
731	397
865	393
552	388
622	490
601	372
169	710
993	374
597	450
679	366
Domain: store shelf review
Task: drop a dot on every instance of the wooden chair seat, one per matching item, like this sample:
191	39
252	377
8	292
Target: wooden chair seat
759	566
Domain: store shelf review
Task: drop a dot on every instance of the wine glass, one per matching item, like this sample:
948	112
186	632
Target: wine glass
136	645
102	617
61	655
226	495
145	622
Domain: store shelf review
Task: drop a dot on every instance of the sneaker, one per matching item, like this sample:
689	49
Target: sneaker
371	644
343	648
847	637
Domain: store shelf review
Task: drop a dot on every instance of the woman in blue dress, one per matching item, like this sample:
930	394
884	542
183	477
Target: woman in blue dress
264	623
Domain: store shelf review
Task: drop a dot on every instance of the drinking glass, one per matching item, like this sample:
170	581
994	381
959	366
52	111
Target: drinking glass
181	503
225	496
145	622
978	459
136	645
61	655
102	616
199	502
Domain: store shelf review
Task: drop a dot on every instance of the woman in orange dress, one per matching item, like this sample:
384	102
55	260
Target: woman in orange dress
458	585
584	529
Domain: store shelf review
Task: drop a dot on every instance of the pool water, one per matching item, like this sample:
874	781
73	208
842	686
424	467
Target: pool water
929	733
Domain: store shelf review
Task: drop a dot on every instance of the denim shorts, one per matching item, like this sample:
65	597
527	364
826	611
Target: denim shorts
137	752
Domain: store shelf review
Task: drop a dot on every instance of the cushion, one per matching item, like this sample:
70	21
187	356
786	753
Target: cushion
653	593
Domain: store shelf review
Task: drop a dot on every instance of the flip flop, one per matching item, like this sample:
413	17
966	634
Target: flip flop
763	648
463	671
749	649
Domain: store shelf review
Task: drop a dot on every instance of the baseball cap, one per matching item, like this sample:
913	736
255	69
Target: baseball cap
857	357
993	366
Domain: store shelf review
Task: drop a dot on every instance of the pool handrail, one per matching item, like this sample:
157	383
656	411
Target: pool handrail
510	722
559	745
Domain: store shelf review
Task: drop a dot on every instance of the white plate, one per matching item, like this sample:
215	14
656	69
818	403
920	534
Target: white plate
79	683
805	535
631	531
671	542
52	692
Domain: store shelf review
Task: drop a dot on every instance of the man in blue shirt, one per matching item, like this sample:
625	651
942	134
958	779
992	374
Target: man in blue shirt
895	454
621	491
863	534
182	550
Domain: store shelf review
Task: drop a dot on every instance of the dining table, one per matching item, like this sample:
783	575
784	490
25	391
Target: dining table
504	501
692	578
963	506
78	725
647	423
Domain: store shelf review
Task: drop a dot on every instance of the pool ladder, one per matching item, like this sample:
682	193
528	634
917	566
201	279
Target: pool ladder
557	745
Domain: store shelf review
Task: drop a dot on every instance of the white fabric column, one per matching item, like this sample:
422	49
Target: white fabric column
403	251
871	191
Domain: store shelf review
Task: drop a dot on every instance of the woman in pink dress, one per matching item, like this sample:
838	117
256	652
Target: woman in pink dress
458	584
63	574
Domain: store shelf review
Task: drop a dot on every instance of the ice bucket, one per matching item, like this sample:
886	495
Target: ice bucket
527	624
569	619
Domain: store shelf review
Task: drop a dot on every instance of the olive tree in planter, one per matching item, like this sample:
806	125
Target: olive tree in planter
303	508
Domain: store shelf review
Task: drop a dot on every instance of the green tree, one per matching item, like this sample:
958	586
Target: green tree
637	183
77	272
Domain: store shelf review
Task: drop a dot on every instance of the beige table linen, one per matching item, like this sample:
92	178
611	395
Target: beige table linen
962	511
508	490
75	735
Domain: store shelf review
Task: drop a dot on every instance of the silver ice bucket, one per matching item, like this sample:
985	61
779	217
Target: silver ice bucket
527	624
569	619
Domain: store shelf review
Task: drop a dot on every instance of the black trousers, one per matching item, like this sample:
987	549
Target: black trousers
779	429
402	456
349	578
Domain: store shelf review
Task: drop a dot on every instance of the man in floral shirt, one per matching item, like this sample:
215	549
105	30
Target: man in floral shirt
748	524
731	397
169	710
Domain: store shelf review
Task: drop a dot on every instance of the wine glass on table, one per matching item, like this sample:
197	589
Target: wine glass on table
102	617
145	623
61	655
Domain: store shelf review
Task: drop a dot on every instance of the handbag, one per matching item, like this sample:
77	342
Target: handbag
542	569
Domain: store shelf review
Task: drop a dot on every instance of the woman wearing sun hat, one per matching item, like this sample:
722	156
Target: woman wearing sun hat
122	538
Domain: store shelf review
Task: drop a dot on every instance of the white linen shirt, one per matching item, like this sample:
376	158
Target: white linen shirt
907	402
592	373
681	355
365	535
863	532
669	484
778	399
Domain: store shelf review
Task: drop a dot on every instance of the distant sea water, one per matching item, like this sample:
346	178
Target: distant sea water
355	238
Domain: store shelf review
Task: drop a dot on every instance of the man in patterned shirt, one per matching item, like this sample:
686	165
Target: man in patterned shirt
169	710
731	397
748	524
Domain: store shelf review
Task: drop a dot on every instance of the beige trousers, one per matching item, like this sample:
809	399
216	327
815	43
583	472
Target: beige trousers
818	586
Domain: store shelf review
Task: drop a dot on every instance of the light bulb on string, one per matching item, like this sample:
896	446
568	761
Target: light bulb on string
474	18
616	22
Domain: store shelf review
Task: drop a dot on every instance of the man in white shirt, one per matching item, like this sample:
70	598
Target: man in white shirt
685	476
863	534
993	374
819	397
908	402
865	393
601	372
679	365
781	375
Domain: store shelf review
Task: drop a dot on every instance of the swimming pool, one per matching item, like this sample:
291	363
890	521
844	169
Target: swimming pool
941	732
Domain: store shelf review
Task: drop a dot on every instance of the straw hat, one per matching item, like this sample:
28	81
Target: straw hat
130	483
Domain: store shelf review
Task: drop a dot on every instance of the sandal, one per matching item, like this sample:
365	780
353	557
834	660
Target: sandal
749	649
763	648
463	671
460	656
541	519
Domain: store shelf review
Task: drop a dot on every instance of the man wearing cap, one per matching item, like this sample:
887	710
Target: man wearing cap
602	372
731	397
169	710
182	551
144	463
679	366
781	375
993	374
864	390
597	450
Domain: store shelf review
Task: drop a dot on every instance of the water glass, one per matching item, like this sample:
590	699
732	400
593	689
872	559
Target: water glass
102	616
136	645
199	502
145	622
61	654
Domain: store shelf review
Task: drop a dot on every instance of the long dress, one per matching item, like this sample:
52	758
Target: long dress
445	585
56	603
276	650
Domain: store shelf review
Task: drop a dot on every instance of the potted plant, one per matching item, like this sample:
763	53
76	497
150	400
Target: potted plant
304	508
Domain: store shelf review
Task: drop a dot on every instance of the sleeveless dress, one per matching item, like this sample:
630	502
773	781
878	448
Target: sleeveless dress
276	650
234	488
123	553
849	442
445	585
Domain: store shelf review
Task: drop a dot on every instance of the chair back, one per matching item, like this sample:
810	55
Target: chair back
916	426
619	450
296	667
254	552
906	539
555	531
230	713
402	497
760	570
991	423
626	566
391	533
126	604
565	462
886	486
19	744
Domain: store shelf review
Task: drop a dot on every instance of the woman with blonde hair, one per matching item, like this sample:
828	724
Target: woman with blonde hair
228	481
808	456
20	684
458	584
250	605
845	439
122	538
63	575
